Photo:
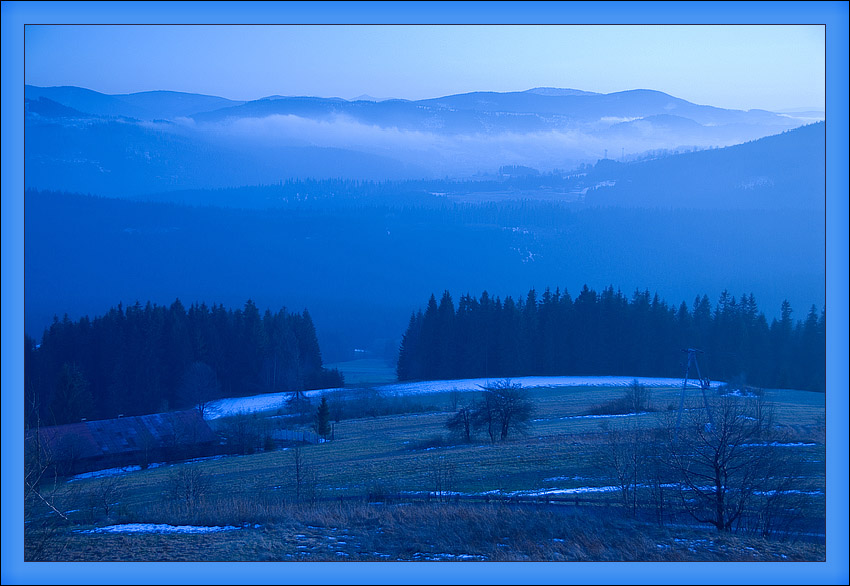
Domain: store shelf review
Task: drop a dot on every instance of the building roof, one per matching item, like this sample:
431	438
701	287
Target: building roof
91	439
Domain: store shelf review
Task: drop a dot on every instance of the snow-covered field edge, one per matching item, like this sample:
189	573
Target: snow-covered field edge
274	401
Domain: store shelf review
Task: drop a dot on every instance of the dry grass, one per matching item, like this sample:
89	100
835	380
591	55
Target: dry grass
436	533
388	454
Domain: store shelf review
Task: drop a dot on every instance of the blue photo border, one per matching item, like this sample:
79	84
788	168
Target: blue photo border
832	14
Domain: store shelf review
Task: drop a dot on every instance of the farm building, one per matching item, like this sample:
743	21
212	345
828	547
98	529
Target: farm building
94	445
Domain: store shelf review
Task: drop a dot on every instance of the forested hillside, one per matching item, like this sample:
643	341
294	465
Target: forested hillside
785	171
150	358
362	267
609	333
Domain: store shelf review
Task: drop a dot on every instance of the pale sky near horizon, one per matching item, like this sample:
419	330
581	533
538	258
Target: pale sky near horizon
772	67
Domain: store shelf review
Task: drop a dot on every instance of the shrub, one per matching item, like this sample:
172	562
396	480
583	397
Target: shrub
636	399
434	441
189	486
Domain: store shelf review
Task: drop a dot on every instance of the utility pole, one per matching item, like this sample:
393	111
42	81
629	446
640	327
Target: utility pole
704	385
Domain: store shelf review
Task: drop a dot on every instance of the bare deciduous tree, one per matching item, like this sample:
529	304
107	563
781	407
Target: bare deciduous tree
638	397
244	433
441	476
305	478
298	467
656	475
504	408
485	416
310	490
461	423
627	458
104	495
43	516
454	398
189	485
726	470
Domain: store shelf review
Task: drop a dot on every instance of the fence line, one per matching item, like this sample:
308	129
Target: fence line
295	436
672	516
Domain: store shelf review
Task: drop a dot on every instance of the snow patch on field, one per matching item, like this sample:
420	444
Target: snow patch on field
528	382
578	490
435	557
595	416
158	528
563	478
274	401
778	444
107	472
548	491
256	403
803	492
125	469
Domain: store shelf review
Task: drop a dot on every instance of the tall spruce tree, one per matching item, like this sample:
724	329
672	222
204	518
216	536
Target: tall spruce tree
323	418
72	398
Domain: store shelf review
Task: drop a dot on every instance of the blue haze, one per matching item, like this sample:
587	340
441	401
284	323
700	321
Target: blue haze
834	14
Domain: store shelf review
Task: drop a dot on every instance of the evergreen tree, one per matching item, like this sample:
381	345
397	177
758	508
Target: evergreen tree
529	333
811	353
72	398
431	340
781	333
608	334
446	349
409	365
586	333
323	418
198	387
308	350
509	344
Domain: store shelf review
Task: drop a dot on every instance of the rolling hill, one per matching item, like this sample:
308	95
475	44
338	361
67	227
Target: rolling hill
785	171
164	140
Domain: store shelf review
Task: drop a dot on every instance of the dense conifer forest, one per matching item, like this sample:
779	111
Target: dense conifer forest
151	358
361	265
609	333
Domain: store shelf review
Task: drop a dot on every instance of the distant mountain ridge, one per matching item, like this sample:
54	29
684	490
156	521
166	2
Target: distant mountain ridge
785	171
150	105
147	142
491	112
554	91
572	103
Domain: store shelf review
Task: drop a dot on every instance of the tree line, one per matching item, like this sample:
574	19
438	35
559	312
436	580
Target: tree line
322	194
152	358
609	333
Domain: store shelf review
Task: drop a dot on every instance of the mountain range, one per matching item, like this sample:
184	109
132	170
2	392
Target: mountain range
85	141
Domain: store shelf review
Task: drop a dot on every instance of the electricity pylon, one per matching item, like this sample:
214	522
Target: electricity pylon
704	385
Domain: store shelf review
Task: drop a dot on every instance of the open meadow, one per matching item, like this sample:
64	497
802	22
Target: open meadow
396	484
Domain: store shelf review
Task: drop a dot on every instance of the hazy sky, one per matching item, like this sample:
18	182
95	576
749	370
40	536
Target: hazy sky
773	67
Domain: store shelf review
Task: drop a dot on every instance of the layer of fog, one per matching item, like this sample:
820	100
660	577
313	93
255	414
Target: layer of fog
466	154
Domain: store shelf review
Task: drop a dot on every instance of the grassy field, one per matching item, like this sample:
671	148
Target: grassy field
366	371
443	532
327	515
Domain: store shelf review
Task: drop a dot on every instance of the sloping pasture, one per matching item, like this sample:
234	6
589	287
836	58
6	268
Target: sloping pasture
564	453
